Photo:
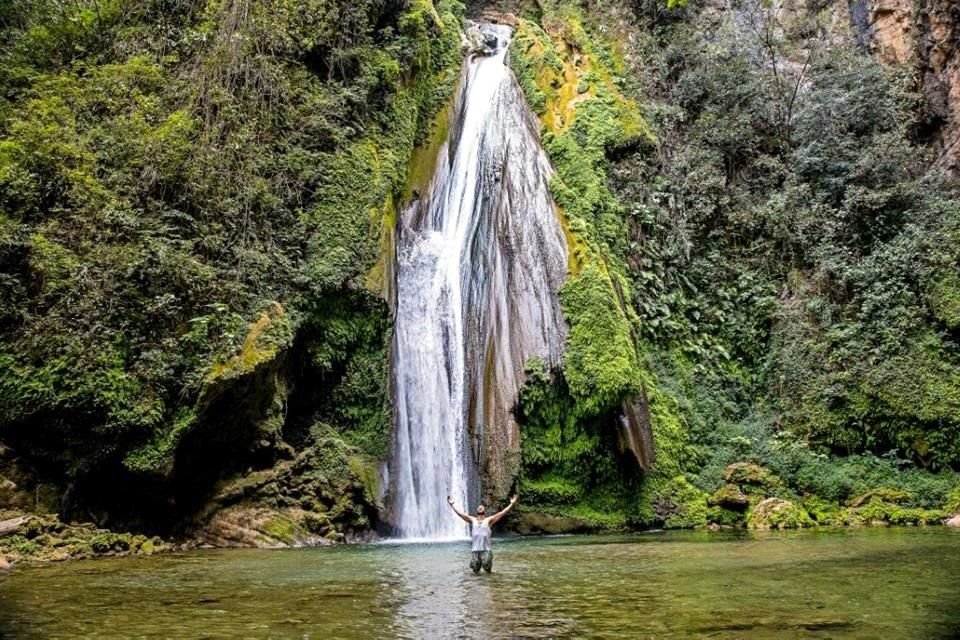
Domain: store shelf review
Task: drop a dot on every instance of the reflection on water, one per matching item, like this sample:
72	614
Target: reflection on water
892	583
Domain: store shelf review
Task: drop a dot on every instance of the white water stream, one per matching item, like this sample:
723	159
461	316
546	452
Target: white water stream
480	258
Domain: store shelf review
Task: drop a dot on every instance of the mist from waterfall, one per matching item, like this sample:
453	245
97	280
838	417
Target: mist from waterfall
480	258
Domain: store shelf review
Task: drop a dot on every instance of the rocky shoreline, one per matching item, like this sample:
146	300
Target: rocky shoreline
44	538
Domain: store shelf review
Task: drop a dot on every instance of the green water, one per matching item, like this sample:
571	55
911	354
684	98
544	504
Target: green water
868	583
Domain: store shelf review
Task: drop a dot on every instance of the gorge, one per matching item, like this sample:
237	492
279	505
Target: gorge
281	274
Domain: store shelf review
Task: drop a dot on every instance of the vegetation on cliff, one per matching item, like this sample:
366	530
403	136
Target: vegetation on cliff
192	195
785	252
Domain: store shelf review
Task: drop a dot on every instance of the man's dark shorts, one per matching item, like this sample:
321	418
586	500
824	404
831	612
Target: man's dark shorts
480	559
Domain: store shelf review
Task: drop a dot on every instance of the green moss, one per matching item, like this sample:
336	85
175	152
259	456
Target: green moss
282	528
569	78
885	494
730	496
107	542
822	511
598	518
750	474
943	296
271	332
552	490
776	513
366	180
879	512
157	455
953	501
366	472
600	363
571	466
681	505
347	340
724	517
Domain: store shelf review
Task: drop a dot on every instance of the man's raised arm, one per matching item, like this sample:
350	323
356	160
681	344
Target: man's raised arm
464	516
496	517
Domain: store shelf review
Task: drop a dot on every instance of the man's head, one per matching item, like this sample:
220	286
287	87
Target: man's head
481	510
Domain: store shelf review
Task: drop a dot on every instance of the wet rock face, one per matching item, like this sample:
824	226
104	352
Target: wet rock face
324	495
481	256
480	42
940	62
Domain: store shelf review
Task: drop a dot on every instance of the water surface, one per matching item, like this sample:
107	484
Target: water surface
866	583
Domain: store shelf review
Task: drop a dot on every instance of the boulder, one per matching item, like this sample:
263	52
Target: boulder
532	523
12	525
730	497
954	521
776	513
251	525
750	474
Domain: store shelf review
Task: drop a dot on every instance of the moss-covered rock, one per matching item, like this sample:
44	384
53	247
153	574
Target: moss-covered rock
729	496
534	523
44	537
251	525
822	511
886	495
879	512
777	513
750	474
327	492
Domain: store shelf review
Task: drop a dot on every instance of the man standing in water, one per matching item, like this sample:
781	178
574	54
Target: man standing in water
482	554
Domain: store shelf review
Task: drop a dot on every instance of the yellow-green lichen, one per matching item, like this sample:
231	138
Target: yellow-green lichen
269	333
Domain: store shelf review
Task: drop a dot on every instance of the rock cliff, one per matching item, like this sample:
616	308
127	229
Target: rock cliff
925	37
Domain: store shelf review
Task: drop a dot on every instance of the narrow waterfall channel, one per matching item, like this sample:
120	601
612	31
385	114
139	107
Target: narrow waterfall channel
480	258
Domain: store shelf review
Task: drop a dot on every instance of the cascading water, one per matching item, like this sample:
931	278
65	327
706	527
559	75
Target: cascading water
480	258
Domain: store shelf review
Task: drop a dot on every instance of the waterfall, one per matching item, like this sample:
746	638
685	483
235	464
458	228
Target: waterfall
480	257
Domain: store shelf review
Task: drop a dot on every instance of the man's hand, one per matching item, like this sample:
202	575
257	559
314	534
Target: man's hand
495	518
459	513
